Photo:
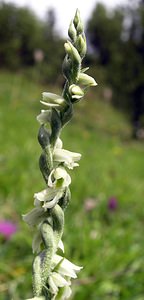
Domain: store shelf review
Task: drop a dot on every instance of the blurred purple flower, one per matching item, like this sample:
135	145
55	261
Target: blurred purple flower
112	204
7	228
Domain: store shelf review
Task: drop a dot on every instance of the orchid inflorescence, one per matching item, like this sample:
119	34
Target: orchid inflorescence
52	272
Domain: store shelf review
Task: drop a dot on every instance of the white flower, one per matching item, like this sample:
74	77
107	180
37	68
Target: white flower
76	92
59	178
49	197
64	267
53	100
68	158
60	279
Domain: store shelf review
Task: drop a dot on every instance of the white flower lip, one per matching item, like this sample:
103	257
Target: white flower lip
58	174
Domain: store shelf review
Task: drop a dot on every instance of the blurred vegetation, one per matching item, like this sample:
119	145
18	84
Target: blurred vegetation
30	44
117	40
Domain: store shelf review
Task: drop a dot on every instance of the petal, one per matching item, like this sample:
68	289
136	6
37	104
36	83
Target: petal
60	172
62	178
68	269
44	116
46	195
52	98
36	298
64	266
58	143
35	216
59	280
61	245
65	154
67	157
37	240
86	80
50	104
56	260
55	200
52	286
66	293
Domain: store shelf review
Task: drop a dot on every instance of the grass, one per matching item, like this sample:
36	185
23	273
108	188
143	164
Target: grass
109	244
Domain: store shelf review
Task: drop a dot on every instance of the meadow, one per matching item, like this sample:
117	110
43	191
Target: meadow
106	240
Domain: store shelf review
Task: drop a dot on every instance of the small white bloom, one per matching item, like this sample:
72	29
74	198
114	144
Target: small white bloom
49	197
53	100
67	157
60	279
76	92
65	267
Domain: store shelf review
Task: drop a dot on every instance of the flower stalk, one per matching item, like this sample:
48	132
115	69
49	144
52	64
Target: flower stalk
52	272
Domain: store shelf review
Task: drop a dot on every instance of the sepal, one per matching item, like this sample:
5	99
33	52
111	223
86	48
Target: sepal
55	126
43	137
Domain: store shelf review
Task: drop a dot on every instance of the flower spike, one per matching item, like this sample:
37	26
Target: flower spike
52	273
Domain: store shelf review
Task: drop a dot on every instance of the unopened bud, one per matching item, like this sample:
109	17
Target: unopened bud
76	18
72	32
81	45
52	100
67	67
79	27
72	52
86	80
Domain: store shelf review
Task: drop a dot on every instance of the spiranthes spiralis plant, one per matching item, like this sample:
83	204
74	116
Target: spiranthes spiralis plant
52	272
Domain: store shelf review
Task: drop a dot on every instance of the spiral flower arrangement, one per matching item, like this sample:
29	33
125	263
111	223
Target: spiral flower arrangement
52	272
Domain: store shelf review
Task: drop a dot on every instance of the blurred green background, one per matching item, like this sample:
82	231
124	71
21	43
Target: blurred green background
105	219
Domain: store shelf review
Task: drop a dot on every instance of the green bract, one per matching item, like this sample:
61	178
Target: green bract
52	273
